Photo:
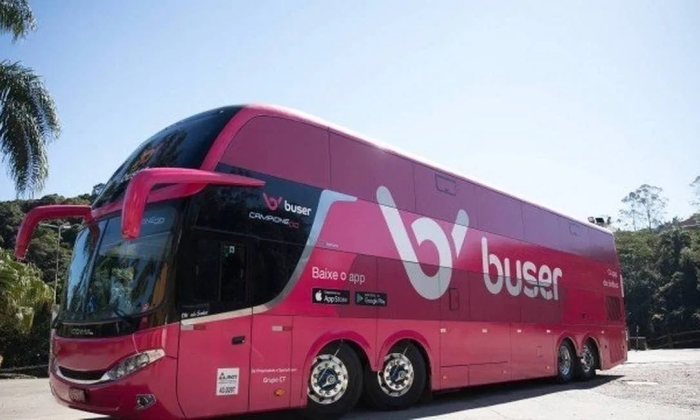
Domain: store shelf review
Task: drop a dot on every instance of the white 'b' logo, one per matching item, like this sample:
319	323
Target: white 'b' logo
424	229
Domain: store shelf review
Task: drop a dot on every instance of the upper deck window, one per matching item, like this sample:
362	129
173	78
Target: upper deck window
183	145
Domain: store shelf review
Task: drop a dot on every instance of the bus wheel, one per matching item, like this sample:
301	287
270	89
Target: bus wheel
566	362
335	383
401	380
587	365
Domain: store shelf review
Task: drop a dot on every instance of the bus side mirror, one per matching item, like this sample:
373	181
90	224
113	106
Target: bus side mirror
141	184
40	213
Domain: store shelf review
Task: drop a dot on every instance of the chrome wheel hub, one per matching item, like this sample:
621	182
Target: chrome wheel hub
397	375
564	361
329	379
587	360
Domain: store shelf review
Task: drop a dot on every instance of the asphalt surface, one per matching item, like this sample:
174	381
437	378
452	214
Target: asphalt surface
657	384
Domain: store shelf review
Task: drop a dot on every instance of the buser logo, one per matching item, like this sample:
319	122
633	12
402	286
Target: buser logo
522	277
424	229
273	204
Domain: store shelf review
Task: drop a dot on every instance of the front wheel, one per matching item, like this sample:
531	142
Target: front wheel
401	380
335	383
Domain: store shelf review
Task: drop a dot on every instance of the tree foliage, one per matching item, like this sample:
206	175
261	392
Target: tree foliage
645	206
695	185
26	343
28	116
22	293
17	18
660	266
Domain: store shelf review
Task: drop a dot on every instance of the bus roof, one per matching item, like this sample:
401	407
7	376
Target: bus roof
303	116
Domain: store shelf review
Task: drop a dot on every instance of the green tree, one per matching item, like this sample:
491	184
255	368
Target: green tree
44	247
677	255
644	206
96	191
695	185
22	293
631	214
28	116
18	347
636	253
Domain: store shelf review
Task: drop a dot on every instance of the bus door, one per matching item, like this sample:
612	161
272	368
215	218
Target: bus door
214	295
271	354
270	366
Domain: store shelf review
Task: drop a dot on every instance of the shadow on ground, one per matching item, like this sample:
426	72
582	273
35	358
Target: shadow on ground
447	403
451	402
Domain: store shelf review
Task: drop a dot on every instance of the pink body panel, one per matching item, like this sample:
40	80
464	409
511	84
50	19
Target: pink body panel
203	351
474	328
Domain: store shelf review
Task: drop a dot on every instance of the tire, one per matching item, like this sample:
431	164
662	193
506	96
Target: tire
566	362
335	383
400	382
586	366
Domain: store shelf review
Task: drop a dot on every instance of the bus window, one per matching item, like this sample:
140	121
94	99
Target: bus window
274	264
233	275
216	279
206	286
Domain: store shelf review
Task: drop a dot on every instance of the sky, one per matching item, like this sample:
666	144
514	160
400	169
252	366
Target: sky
570	105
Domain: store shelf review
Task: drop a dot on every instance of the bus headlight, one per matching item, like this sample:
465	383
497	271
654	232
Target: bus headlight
134	363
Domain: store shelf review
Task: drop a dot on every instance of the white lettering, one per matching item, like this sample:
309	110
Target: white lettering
611	284
318	273
333	299
276	380
357	278
488	260
546	282
513	288
272	370
531	288
273	219
153	220
323	274
294	208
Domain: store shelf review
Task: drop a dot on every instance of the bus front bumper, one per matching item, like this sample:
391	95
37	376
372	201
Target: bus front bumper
149	393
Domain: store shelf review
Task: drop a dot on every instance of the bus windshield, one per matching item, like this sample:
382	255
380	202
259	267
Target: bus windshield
114	278
182	145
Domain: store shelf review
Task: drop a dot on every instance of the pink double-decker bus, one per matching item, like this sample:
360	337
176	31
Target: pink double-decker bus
252	258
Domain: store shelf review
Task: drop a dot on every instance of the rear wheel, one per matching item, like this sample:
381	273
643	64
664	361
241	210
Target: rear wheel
587	365
566	361
335	383
401	380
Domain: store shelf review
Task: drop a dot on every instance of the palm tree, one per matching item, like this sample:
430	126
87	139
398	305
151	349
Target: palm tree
28	116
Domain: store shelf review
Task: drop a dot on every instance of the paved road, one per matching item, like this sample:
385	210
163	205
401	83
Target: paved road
662	384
